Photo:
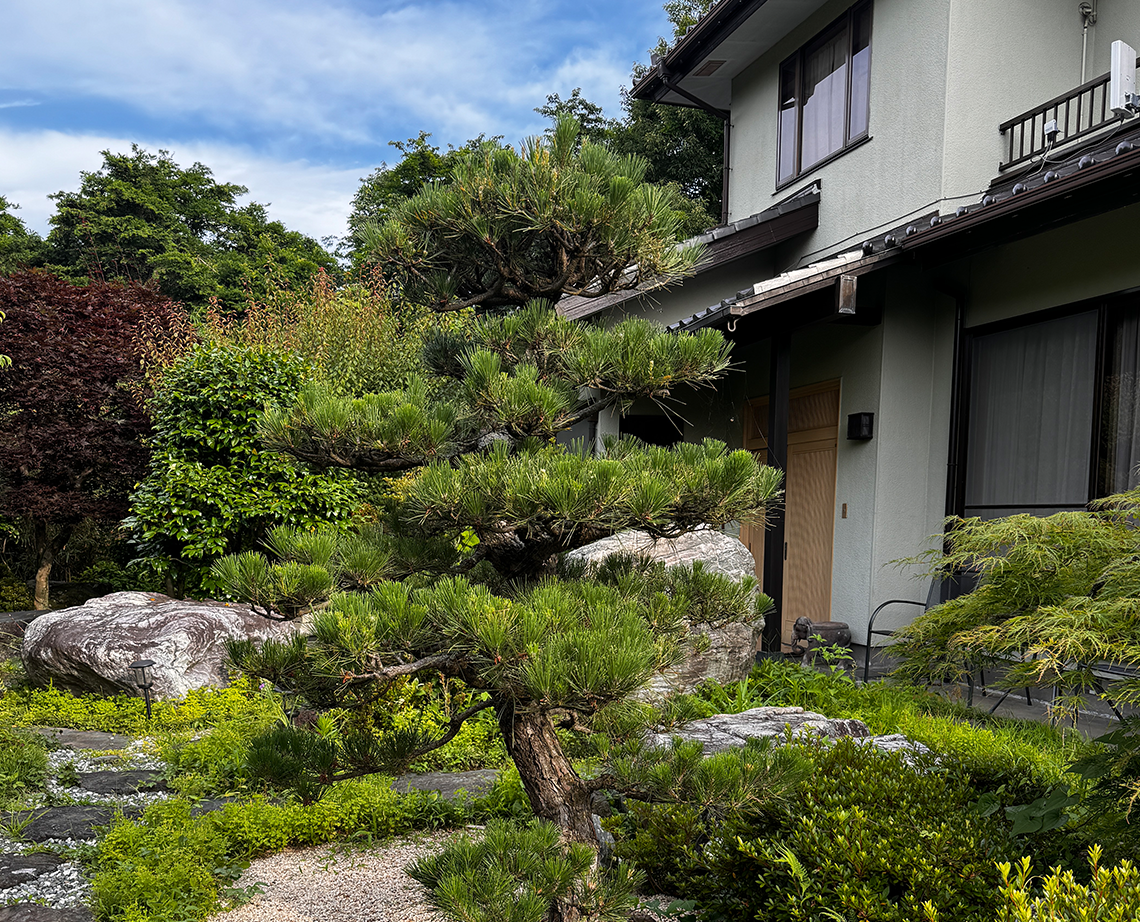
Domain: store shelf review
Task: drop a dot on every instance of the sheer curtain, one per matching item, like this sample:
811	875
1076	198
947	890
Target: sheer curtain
1120	398
825	99
1031	418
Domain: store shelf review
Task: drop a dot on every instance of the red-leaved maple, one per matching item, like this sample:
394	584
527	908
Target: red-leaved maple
71	411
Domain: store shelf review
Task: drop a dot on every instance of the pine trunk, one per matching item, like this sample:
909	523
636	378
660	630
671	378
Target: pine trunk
555	791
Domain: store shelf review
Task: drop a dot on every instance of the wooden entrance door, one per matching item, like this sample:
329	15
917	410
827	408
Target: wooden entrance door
809	498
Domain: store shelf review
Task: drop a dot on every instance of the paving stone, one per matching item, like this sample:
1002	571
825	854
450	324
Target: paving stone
69	822
20	869
127	782
84	739
34	912
449	784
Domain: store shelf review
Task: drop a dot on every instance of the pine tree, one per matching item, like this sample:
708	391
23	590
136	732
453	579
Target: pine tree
460	576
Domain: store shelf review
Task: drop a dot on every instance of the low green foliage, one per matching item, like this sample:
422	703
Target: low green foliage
23	766
14	595
203	707
173	866
516	873
867	837
1026	756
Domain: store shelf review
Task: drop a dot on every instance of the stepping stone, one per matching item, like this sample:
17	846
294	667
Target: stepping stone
34	912
84	739
131	782
448	784
20	869
71	822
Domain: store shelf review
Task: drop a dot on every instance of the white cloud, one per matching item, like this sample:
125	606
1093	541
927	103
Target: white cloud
306	197
326	68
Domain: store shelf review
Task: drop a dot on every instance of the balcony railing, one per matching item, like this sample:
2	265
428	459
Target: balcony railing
1078	113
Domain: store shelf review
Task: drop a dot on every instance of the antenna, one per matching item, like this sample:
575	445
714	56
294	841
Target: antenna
1122	98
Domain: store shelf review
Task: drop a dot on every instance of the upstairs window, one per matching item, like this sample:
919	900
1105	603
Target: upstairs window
824	94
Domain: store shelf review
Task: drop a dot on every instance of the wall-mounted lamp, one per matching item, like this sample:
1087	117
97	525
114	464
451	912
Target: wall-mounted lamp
861	427
143	680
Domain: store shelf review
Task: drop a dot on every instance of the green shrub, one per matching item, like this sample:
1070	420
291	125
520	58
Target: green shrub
213	489
516	873
1112	894
14	595
23	766
869	837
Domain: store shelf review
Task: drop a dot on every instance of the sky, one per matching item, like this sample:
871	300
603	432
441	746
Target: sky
295	100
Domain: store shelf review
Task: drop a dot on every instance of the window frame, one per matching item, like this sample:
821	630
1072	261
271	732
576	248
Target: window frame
845	24
1110	308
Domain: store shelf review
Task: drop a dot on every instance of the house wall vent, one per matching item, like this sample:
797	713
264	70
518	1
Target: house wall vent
1122	97
708	69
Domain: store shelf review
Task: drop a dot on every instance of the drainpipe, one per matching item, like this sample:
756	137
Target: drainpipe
1088	18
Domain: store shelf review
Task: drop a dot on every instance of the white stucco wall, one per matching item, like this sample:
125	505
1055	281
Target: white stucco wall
944	75
1087	259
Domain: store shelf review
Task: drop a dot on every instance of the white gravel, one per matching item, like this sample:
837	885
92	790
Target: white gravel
322	884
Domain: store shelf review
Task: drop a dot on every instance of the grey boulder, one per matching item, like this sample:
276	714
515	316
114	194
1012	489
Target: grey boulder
89	648
719	552
724	731
730	651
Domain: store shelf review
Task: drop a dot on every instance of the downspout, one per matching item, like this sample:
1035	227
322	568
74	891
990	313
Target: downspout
724	173
954	448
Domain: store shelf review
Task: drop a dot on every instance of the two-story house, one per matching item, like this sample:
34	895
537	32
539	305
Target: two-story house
928	264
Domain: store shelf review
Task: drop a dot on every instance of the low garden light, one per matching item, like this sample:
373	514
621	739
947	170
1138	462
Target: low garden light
143	679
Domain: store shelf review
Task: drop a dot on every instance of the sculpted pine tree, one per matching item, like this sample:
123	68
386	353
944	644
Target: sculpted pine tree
460	579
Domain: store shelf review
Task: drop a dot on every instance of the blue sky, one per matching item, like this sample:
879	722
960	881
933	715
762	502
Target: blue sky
296	100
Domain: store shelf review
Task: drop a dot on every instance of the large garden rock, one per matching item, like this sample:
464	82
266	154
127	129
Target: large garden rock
724	731
90	647
719	552
730	651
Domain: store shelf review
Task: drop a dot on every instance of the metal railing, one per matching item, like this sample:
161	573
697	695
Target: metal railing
1079	112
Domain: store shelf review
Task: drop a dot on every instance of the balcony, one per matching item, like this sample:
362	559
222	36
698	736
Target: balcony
1080	112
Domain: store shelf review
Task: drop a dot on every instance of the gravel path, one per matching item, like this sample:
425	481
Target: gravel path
323	884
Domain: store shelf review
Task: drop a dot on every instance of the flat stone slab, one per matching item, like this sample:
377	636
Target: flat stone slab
128	782
22	869
69	822
448	784
84	739
34	912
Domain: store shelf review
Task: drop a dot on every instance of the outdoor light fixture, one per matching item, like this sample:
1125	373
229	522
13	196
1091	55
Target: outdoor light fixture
143	678
861	427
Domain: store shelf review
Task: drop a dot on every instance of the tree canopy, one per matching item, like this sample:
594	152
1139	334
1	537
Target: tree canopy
557	217
141	218
72	423
20	248
457	576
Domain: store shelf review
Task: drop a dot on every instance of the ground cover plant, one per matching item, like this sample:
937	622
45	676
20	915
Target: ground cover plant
175	865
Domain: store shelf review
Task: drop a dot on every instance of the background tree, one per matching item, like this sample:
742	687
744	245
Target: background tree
141	218
458	576
72	425
20	248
